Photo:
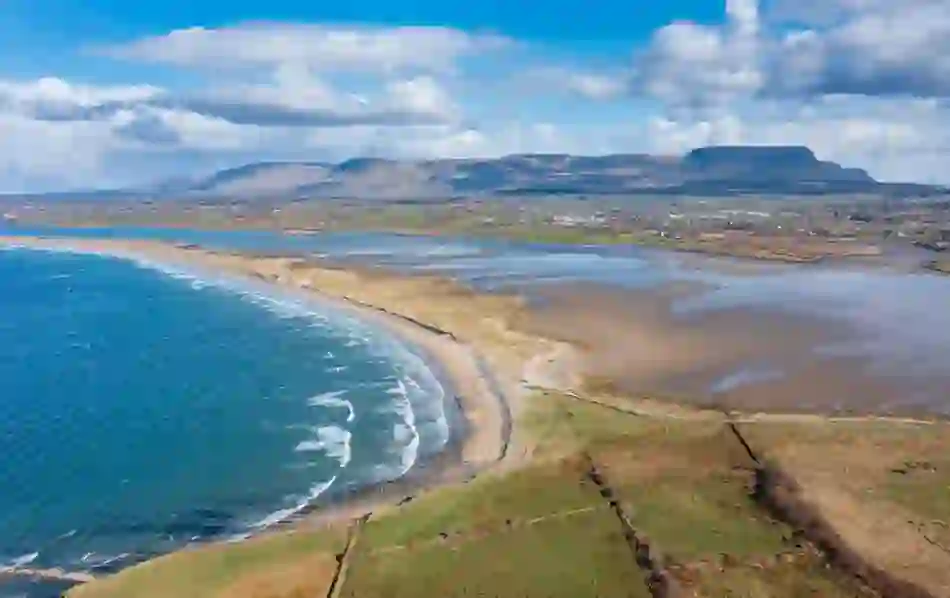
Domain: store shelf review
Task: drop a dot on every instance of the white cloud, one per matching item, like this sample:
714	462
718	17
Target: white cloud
51	154
590	85
421	95
693	66
296	97
319	47
858	47
50	98
877	48
52	89
863	82
840	76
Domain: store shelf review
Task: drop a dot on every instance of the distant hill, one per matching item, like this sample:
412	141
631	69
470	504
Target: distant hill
718	170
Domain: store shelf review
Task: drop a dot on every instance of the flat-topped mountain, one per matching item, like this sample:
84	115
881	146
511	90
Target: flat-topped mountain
717	170
720	170
778	163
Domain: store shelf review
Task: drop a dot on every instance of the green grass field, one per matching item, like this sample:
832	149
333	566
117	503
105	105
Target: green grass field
577	556
545	530
484	504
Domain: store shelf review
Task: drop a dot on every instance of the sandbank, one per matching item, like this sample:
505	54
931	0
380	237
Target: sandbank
742	360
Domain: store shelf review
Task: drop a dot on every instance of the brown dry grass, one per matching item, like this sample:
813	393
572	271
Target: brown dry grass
867	481
308	578
282	565
780	248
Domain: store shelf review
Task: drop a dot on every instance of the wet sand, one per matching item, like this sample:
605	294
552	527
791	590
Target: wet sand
732	359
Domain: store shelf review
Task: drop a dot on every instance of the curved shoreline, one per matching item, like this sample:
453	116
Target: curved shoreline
479	442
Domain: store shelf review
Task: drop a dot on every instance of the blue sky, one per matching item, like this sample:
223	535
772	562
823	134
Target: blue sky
108	92
551	20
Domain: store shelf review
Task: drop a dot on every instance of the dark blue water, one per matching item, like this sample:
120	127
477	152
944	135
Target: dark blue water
141	409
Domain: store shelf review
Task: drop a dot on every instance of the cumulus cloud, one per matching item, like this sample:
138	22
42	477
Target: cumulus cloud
693	66
863	82
857	47
53	99
320	47
586	84
297	98
291	100
46	122
875	48
51	155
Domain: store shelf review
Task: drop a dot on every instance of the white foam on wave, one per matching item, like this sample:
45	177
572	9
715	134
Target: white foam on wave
334	441
405	433
332	399
282	515
101	560
24	560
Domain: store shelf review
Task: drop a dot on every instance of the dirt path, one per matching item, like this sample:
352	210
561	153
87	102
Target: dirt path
663	410
346	557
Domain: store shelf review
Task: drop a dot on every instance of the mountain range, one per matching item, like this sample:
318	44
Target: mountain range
717	171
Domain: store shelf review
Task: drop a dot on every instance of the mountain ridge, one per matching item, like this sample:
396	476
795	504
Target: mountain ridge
711	170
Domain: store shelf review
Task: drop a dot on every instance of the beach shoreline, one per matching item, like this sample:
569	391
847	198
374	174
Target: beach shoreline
576	373
479	432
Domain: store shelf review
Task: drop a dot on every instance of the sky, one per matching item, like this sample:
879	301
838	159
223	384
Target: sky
112	93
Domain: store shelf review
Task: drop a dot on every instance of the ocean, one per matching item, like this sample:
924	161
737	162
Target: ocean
143	408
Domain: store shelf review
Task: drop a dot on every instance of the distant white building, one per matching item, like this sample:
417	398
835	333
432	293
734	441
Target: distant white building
569	220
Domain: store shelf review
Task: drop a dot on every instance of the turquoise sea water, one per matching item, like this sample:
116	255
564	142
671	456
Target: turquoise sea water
142	409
